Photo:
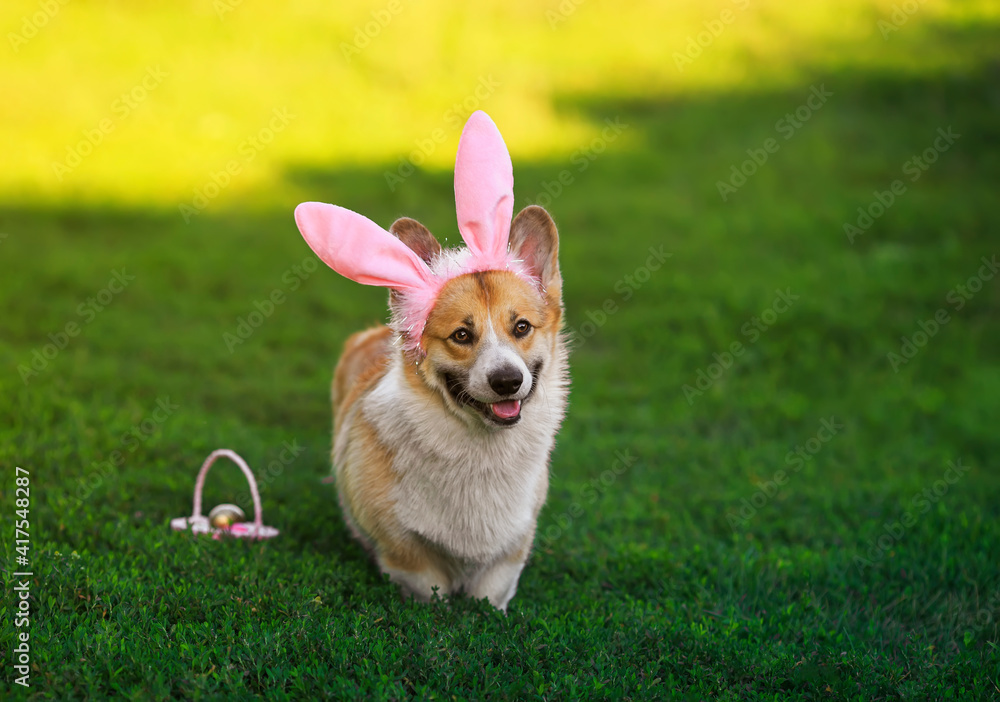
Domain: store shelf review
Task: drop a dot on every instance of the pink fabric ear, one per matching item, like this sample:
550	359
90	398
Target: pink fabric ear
359	249
484	192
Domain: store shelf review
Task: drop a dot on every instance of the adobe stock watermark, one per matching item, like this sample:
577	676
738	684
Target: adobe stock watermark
588	494
32	24
248	150
953	616
957	297
121	109
224	7
915	167
581	158
984	616
292	280
697	43
128	443
787	126
901	14
706	377
796	460
289	452
562	12
454	117
880	546
626	287
87	311
365	34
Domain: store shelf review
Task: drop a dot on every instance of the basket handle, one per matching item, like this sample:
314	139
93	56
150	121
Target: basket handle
235	458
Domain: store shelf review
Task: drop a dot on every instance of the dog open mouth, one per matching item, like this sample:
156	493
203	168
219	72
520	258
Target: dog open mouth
504	412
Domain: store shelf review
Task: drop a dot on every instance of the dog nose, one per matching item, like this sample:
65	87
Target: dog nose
506	381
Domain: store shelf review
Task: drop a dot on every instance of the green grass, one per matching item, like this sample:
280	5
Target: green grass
646	583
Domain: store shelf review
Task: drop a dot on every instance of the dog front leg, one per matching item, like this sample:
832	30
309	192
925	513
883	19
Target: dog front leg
420	581
496	582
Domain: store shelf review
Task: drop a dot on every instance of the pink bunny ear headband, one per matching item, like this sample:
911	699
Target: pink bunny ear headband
359	249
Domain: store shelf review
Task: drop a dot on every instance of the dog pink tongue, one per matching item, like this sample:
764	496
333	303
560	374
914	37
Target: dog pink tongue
507	409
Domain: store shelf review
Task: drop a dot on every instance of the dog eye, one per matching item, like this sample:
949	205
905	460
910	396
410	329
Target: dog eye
461	336
522	327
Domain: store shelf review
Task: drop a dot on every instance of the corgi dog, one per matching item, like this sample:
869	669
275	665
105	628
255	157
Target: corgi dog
444	420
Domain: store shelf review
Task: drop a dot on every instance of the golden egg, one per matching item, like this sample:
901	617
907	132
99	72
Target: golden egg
225	515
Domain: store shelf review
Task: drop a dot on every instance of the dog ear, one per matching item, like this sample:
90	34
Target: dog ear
534	240
417	237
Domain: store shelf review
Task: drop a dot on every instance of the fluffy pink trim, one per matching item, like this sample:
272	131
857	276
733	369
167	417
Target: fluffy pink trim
412	308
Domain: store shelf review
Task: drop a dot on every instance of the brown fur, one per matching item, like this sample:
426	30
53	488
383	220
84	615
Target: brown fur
363	361
368	493
482	296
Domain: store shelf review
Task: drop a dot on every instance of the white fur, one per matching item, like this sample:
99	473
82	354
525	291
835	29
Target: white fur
496	354
470	489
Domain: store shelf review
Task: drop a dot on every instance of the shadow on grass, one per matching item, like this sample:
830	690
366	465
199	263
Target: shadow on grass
654	185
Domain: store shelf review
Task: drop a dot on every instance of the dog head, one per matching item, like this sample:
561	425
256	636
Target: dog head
479	322
490	334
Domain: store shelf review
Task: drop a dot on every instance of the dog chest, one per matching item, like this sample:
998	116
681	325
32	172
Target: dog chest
474	506
473	493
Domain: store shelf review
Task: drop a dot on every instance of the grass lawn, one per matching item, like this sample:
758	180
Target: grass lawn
779	477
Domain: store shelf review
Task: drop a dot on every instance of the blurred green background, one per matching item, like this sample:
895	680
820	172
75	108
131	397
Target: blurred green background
152	157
